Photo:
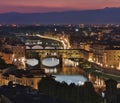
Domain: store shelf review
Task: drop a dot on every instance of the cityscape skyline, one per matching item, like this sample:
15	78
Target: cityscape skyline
31	6
60	51
55	62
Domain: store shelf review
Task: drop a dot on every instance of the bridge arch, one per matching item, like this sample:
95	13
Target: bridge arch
37	47
50	61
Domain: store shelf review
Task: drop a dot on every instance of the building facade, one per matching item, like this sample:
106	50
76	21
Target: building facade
7	56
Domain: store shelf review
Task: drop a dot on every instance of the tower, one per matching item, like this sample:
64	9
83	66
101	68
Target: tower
99	36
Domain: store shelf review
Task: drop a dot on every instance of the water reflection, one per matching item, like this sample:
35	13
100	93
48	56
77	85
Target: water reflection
51	70
98	81
81	77
50	62
77	79
32	62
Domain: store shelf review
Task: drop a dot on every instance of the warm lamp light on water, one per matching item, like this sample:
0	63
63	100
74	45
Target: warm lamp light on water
118	66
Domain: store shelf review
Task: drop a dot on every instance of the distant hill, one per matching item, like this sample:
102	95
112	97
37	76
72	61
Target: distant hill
101	16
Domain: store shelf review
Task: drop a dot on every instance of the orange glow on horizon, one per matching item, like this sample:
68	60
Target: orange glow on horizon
54	5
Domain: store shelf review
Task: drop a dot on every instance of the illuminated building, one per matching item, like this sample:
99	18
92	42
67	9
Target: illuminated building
87	55
111	56
106	55
27	78
85	46
19	56
99	36
19	51
98	51
7	56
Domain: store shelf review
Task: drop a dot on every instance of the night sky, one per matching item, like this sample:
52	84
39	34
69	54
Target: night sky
30	6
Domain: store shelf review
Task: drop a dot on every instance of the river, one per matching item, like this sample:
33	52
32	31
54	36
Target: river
69	74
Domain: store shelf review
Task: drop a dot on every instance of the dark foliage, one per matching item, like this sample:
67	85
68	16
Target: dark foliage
71	93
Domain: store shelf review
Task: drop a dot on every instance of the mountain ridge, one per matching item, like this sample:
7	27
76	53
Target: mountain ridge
98	16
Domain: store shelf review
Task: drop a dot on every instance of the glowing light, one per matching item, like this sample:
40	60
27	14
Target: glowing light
46	70
55	70
90	59
106	65
80	83
15	59
118	66
112	66
101	64
55	29
76	30
64	41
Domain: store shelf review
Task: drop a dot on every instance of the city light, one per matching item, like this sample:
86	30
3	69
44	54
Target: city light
75	55
64	41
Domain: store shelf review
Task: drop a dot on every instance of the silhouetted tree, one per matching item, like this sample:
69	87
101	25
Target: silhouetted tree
65	92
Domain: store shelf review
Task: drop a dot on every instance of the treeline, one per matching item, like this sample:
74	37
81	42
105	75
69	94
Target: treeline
71	93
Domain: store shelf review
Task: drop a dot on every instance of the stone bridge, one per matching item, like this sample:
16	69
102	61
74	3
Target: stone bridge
61	54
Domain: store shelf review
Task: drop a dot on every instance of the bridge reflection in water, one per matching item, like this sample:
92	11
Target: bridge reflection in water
47	47
50	62
52	65
78	76
78	79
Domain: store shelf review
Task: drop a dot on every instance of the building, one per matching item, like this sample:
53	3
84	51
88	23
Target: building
19	56
98	51
7	56
18	51
112	58
84	46
87	55
26	78
106	55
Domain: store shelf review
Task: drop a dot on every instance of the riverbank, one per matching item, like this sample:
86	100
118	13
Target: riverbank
105	73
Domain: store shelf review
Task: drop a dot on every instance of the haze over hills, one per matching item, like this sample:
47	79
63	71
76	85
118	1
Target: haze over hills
100	16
